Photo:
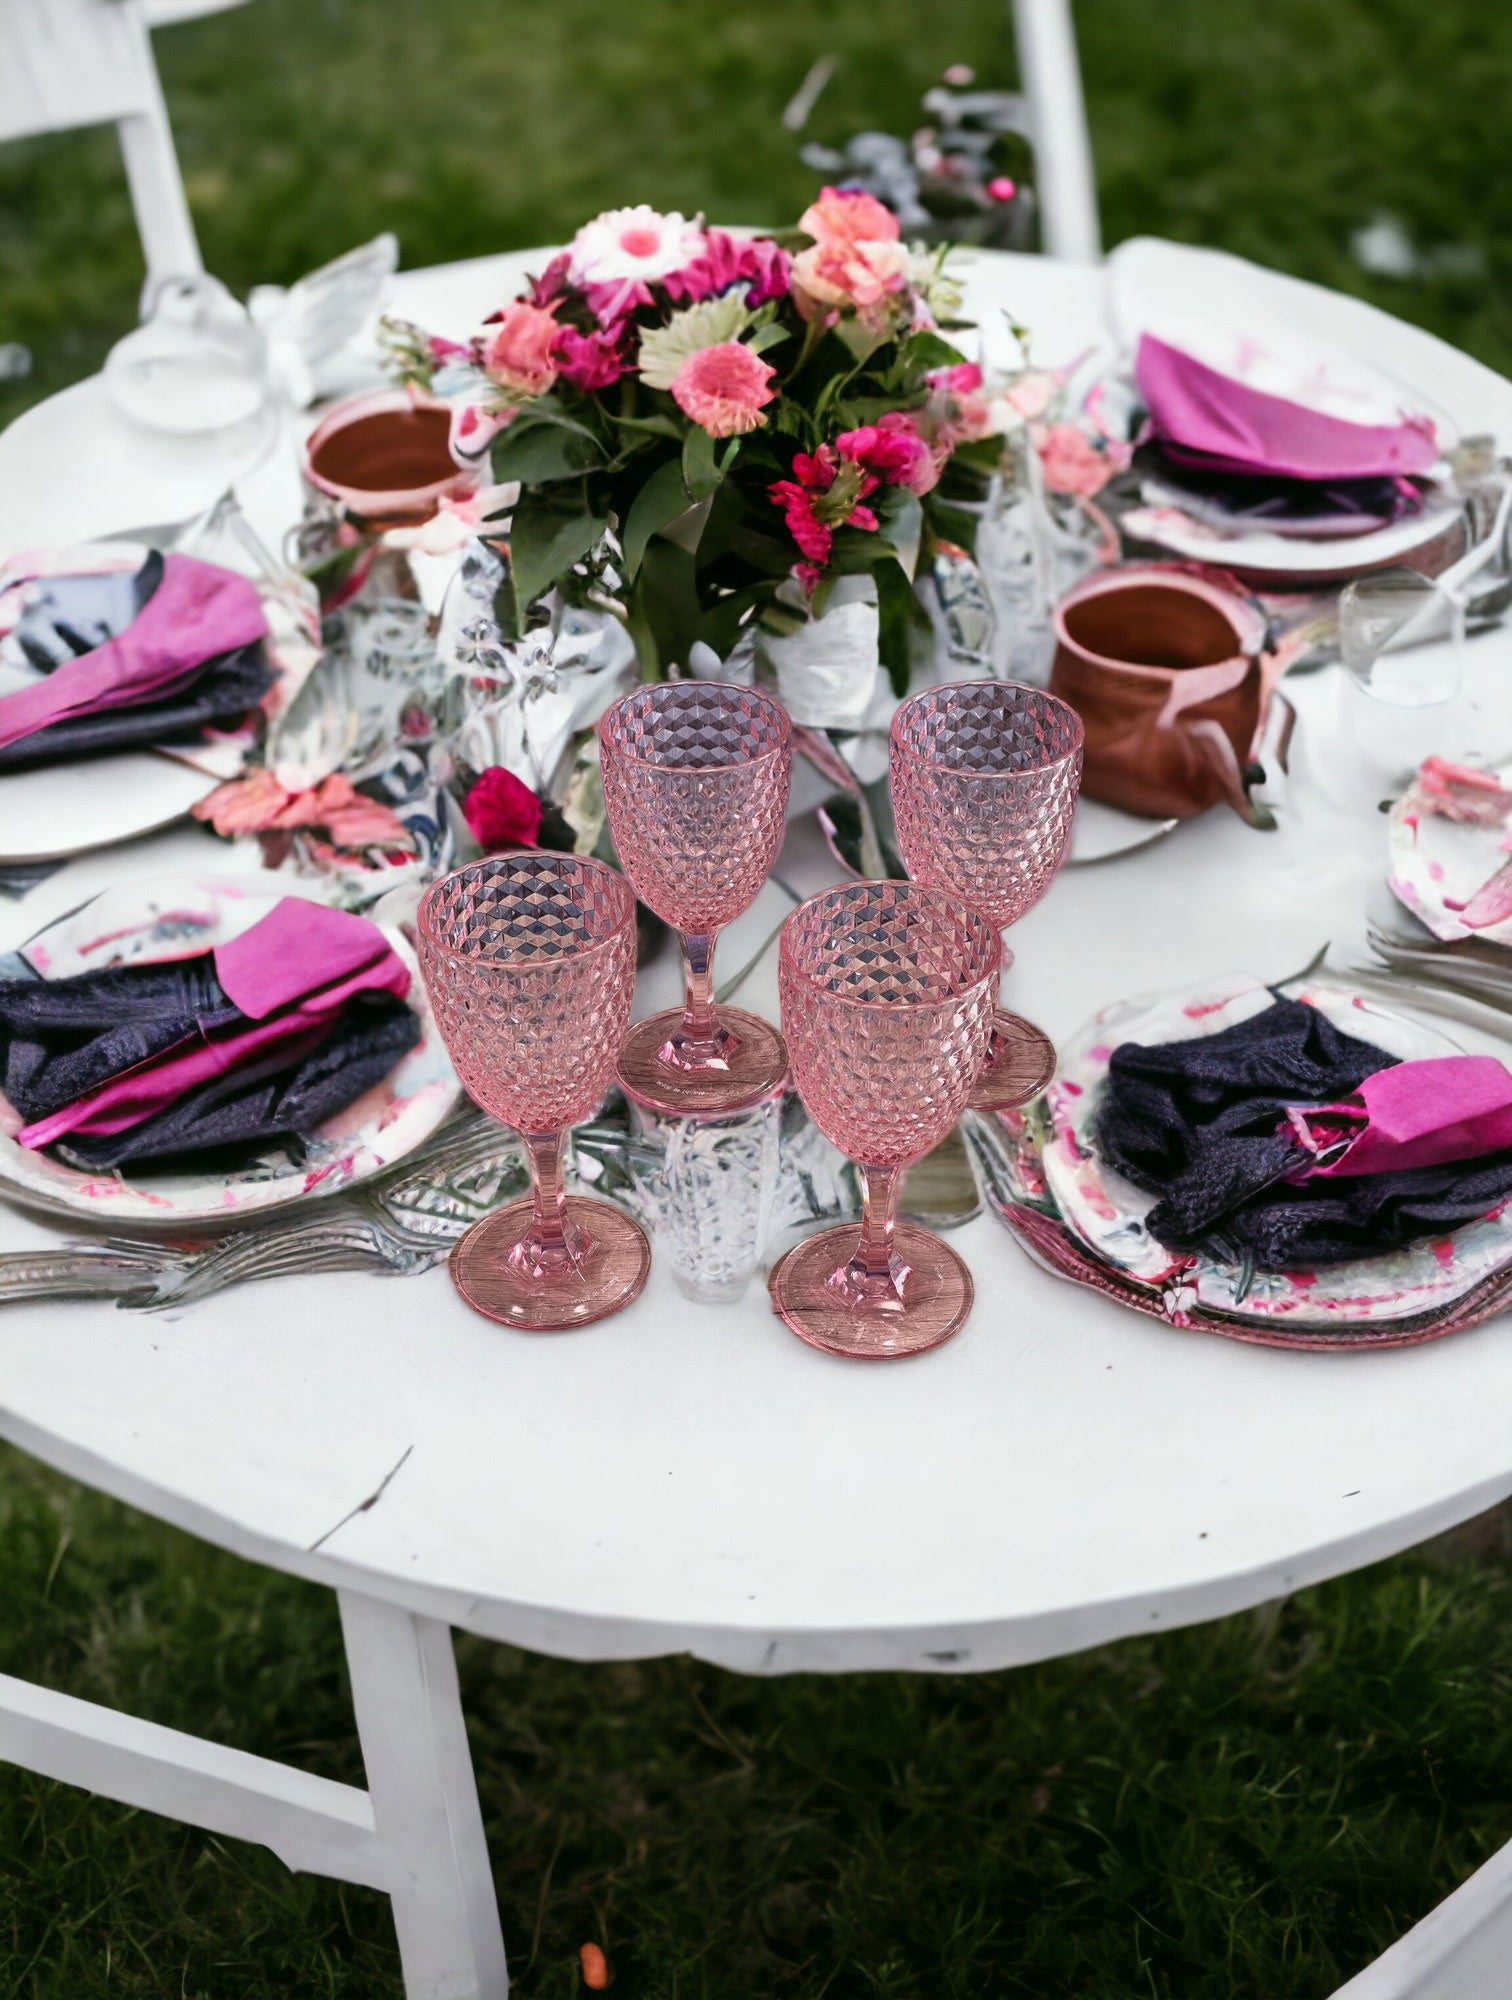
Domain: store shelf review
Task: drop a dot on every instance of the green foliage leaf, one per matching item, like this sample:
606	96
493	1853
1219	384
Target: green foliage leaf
701	472
767	336
659	502
540	450
926	351
895	604
550	533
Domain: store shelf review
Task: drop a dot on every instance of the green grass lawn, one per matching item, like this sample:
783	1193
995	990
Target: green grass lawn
1253	1808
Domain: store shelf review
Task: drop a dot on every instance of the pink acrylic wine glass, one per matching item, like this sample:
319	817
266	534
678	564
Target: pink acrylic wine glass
696	777
530	962
984	778
887	999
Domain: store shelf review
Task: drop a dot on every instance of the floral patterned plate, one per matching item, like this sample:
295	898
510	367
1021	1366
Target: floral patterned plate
1107	1213
1439	861
177	917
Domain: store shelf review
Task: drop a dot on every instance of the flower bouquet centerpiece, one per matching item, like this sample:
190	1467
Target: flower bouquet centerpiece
718	435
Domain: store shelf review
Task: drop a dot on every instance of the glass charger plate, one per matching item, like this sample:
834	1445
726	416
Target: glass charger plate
1107	1213
177	917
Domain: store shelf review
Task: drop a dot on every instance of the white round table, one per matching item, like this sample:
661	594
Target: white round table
688	1478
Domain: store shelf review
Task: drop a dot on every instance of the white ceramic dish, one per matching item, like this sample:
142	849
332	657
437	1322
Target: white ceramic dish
177	917
1108	1213
1437	864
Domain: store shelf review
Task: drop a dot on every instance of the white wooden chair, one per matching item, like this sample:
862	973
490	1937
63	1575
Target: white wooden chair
70	63
1065	184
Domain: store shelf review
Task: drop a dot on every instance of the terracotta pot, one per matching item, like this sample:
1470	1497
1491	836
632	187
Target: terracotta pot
1171	671
385	458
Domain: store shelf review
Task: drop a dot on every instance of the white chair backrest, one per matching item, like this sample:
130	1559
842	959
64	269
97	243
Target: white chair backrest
1065	185
69	63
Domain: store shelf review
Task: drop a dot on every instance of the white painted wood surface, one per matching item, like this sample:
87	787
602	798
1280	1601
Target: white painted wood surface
70	63
689	1478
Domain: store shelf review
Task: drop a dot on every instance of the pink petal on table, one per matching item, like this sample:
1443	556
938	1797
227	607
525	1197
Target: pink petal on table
1492	901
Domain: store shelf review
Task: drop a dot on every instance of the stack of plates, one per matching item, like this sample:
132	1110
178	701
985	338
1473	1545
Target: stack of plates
1274	452
1044	1178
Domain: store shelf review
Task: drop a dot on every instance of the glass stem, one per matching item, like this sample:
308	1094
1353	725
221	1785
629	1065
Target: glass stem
700	1023
554	1245
876	1274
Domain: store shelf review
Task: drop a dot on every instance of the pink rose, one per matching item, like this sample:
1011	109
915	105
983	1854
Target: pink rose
849	216
894	450
1073	464
840	273
502	811
518	352
724	388
588	360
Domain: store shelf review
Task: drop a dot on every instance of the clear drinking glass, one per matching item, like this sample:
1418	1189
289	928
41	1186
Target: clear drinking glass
984	778
887	1001
530	963
712	1191
696	777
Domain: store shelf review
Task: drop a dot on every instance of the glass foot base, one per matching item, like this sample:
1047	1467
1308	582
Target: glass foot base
937	1296
1020	1064
611	1274
754	1063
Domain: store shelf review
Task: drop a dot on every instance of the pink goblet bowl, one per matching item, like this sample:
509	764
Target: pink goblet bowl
984	777
530	963
887	999
696	777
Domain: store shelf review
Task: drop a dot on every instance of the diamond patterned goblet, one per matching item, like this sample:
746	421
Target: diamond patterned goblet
887	997
696	778
984	777
530	962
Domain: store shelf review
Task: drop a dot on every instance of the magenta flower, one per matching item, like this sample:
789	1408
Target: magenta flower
826	492
732	260
893	449
502	811
613	302
588	361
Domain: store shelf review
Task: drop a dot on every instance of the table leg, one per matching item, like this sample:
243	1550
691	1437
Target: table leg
425	1801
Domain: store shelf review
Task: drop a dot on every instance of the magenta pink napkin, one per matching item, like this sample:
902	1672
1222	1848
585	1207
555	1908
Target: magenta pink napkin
196	612
1416	1114
291	974
1238	429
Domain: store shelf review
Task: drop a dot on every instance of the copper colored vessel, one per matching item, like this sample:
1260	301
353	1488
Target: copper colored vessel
385	458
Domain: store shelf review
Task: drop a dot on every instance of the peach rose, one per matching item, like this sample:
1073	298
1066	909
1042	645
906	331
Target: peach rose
849	217
851	274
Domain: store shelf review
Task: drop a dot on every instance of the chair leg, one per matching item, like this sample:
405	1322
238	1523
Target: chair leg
425	1801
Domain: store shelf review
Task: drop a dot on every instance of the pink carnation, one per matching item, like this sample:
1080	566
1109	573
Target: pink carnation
813	510
732	260
588	360
517	353
849	216
724	388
